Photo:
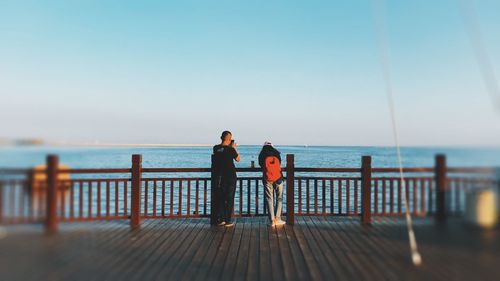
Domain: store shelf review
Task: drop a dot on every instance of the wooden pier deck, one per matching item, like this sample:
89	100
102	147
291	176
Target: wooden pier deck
316	248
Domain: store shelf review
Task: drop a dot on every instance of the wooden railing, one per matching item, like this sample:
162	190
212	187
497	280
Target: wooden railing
55	195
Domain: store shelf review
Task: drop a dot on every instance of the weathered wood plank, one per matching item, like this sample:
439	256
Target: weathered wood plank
253	256
287	270
242	259
264	250
312	267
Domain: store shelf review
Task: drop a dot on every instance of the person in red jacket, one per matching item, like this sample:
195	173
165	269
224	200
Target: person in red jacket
270	161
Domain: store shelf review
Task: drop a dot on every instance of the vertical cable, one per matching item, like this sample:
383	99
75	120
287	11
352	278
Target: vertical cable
379	16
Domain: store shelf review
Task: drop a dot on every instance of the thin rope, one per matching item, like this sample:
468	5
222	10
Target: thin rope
378	7
483	60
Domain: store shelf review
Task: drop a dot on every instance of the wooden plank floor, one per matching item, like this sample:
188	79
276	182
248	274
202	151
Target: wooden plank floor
316	248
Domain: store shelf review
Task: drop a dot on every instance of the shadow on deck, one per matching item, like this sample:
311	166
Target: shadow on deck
315	248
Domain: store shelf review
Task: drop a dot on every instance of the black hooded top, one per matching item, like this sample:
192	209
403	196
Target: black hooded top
266	151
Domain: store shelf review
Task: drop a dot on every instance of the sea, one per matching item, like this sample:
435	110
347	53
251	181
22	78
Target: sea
199	157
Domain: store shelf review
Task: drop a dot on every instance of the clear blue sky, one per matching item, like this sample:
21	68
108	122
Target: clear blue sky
292	72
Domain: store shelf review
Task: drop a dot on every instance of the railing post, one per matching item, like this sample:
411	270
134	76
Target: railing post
135	204
366	196
213	193
52	163
290	189
440	178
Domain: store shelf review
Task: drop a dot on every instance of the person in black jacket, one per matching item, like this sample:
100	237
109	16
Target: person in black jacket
225	176
274	189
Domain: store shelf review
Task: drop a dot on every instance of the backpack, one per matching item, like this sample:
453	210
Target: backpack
272	169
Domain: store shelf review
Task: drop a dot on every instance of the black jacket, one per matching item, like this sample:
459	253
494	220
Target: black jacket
266	151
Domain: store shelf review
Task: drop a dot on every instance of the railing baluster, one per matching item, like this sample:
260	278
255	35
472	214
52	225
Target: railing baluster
80	199
307	197
99	199
62	190
1	201
107	198
391	195
71	200
248	197
154	198
356	197
462	192
348	198
9	202
384	195
399	196
315	196
179	211
125	211
171	198
422	197
205	197
116	198
27	201
339	200
407	193
375	195
21	202
241	197
331	197
300	196
31	209
197	197
89	185
430	195
188	201
290	189
12	199
264	209
323	197
20	196
256	198
414	188
146	198
163	198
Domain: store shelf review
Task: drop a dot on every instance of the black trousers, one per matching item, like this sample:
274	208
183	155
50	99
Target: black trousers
225	197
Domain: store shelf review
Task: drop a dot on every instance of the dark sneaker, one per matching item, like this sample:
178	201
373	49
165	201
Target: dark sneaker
221	223
229	224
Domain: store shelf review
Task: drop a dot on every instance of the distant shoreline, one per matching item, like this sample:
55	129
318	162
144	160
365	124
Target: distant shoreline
40	143
132	145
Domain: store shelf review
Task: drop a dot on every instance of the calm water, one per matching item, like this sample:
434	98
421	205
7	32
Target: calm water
200	156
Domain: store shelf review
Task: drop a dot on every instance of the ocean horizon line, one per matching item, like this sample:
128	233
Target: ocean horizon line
85	144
